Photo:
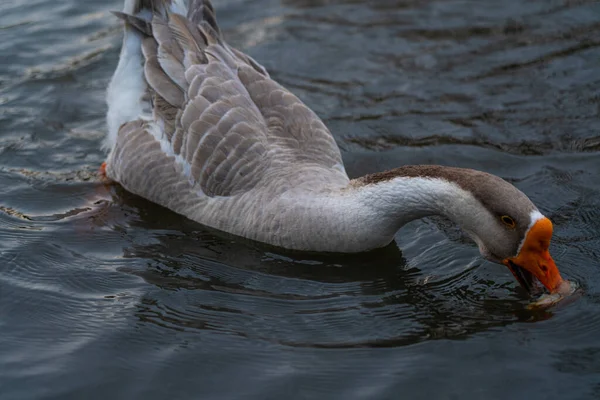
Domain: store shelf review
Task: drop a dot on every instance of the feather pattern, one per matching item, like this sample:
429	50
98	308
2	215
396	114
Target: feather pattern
222	131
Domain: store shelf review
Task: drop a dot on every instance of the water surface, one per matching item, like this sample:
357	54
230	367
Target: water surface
105	295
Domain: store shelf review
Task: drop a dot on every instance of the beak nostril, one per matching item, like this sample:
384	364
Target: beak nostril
544	268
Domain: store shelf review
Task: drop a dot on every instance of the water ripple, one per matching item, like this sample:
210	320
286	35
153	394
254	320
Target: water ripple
103	294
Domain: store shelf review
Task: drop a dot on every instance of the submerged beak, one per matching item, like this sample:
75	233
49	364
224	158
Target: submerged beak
534	258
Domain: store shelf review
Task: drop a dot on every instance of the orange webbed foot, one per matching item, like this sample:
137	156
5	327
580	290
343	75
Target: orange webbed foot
102	172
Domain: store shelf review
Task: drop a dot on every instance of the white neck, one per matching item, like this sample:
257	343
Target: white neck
361	217
375	212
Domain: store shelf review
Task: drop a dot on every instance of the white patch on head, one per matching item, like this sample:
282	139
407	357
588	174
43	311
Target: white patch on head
534	217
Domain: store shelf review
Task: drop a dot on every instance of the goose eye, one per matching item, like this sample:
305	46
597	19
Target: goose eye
508	221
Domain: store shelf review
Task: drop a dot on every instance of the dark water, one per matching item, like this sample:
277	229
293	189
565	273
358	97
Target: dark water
104	295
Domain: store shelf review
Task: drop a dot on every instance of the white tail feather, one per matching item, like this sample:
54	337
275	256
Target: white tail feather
125	95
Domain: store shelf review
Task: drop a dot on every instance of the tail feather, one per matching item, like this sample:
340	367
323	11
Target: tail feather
202	12
163	39
140	24
189	37
158	78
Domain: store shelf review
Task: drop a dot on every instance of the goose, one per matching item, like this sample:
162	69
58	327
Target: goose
200	128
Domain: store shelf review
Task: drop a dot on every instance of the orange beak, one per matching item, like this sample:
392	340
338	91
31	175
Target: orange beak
535	258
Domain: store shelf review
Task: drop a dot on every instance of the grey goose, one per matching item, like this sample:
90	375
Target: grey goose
200	128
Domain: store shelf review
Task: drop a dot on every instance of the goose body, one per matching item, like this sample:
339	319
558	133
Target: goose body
202	129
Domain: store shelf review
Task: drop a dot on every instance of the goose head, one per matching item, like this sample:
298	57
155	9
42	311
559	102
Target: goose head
508	228
519	240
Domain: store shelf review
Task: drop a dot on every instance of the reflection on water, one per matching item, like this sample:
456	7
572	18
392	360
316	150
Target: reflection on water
105	295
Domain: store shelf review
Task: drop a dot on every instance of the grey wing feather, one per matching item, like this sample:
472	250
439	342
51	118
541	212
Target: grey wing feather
217	110
291	122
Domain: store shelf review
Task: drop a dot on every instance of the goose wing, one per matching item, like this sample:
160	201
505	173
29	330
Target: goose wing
217	112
